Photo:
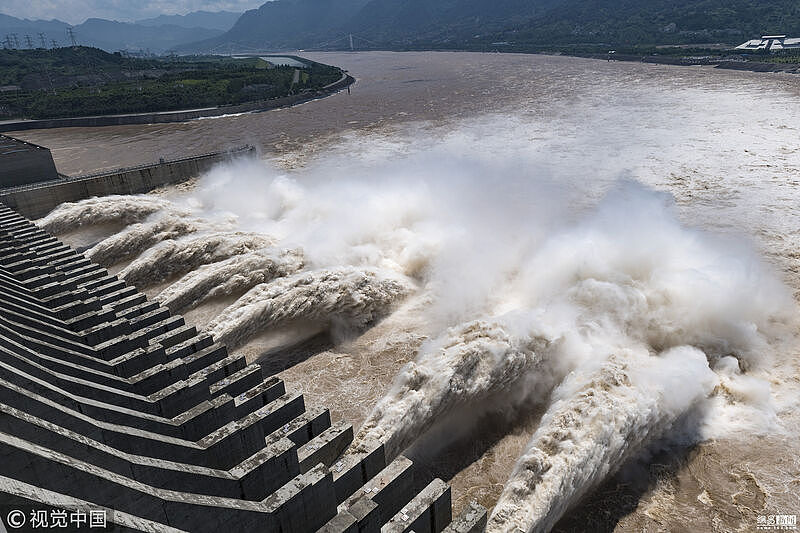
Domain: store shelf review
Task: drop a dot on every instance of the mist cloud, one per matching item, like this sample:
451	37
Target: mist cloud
563	282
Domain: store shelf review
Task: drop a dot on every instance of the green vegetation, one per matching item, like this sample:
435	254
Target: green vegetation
785	57
629	22
522	25
69	82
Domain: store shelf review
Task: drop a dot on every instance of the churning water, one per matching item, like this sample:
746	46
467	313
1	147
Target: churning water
532	273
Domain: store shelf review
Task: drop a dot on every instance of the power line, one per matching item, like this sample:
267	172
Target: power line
349	39
337	40
367	40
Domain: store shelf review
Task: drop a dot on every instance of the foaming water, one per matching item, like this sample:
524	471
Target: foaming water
597	421
351	297
104	210
591	300
469	364
230	276
176	257
555	258
625	283
136	238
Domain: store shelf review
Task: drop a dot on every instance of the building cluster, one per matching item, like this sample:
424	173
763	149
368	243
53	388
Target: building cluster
771	43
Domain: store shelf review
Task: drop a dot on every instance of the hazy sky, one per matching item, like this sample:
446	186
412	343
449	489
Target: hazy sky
76	11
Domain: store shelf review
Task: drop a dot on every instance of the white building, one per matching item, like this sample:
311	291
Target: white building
773	43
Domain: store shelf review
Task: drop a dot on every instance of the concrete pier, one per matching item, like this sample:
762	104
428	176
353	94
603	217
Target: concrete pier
111	404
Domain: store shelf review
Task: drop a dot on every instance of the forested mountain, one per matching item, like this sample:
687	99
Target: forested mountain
217	20
12	26
442	20
109	35
661	21
285	24
292	24
112	35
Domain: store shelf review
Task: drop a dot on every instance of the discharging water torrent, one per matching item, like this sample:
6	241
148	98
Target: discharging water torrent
590	300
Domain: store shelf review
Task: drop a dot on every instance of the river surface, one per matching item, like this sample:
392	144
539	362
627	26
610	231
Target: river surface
724	144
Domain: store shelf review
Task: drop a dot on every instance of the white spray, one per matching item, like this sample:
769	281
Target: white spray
137	238
623	283
107	209
618	298
353	296
597	421
469	364
234	275
175	257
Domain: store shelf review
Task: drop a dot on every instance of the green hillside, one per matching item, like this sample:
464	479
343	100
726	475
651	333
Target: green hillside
661	21
81	81
285	24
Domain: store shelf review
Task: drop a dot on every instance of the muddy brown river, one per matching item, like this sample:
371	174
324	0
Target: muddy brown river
724	144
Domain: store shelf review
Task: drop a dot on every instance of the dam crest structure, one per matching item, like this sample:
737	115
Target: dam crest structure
111	404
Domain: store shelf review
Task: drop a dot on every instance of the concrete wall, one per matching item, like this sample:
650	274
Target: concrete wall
22	162
25	167
176	116
108	401
37	200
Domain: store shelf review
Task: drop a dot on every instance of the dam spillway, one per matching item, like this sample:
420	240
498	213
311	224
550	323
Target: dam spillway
113	405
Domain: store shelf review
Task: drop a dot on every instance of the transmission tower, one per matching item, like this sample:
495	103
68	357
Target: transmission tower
71	35
16	40
7	42
54	43
43	40
351	43
29	41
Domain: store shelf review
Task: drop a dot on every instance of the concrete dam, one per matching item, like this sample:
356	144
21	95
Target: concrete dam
41	195
112	405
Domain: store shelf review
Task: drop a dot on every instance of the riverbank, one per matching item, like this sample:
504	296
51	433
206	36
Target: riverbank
560	119
688	61
181	115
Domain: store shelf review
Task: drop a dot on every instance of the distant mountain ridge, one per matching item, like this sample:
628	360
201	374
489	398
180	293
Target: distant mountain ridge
108	35
284	24
218	20
470	24
112	35
287	24
53	29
